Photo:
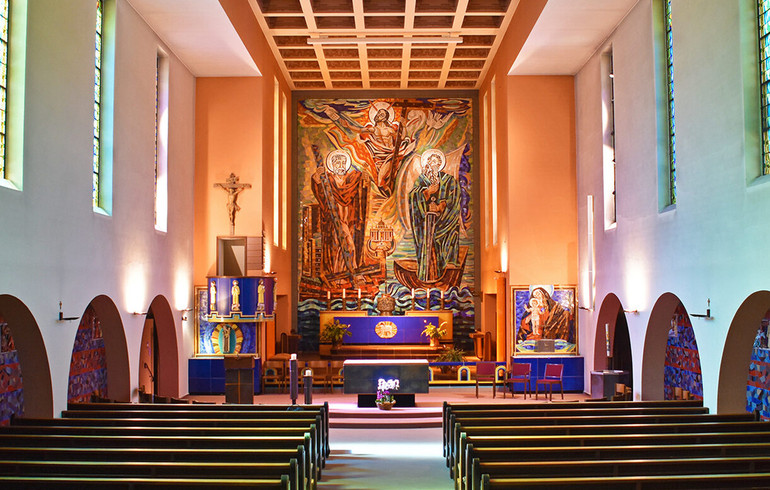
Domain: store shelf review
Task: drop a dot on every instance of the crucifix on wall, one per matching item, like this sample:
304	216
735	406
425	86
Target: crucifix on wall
233	189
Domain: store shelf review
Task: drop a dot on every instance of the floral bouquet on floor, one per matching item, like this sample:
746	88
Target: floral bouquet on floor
385	399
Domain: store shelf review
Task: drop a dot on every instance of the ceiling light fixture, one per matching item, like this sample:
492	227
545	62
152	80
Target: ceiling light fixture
384	40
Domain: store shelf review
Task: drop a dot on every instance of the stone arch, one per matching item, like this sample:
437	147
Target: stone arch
608	314
654	353
115	346
168	358
33	357
736	355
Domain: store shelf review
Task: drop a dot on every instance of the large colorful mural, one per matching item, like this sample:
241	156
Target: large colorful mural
11	392
758	385
385	203
88	366
682	370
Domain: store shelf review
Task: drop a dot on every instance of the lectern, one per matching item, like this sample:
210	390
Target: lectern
239	379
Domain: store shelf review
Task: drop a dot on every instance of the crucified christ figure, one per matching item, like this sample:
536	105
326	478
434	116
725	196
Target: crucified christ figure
233	188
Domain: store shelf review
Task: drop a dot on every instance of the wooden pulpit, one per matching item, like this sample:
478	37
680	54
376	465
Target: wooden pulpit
239	379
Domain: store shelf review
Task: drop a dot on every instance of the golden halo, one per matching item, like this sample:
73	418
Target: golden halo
429	153
334	153
375	108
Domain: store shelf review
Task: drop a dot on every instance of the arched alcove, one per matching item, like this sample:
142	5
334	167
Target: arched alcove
167	367
736	354
654	353
32	355
664	350
101	331
608	313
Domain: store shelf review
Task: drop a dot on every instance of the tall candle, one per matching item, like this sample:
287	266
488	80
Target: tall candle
343	294
442	295
412	292
359	293
328	295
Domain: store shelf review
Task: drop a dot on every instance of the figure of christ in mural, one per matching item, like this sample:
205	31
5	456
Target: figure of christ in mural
383	141
434	205
341	191
546	319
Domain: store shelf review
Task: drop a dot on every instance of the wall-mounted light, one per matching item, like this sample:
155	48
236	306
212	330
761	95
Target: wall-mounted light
138	313
63	318
708	311
635	312
184	313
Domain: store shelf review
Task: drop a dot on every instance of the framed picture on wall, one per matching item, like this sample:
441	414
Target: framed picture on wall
544	320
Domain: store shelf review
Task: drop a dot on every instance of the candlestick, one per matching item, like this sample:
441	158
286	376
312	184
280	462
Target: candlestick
607	338
343	294
359	293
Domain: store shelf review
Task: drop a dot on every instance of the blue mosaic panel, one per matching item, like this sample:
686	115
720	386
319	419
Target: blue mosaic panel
11	389
758	384
98	53
88	367
682	368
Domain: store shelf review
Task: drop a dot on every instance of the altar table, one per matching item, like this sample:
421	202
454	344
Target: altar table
362	376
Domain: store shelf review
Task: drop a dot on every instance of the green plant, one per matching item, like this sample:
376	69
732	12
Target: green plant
334	331
433	331
450	354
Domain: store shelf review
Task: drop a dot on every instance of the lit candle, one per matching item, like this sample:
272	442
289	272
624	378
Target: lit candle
294	357
412	292
343	294
359	293
328	295
442	295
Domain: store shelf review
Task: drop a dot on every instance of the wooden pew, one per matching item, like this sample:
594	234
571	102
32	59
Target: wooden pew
605	413
98	427
145	469
615	467
573	408
106	483
169	443
612	452
150	410
463	466
610	425
151	456
698	482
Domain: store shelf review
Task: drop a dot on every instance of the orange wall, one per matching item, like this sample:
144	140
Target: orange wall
228	138
542	185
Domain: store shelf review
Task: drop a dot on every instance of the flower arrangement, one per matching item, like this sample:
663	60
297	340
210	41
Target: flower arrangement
334	332
385	399
433	331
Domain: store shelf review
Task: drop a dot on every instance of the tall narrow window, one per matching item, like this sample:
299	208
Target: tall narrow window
671	113
161	142
276	162
284	171
763	24
493	140
4	31
608	127
487	172
98	58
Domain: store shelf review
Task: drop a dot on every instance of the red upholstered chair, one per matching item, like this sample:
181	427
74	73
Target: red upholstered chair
551	377
519	373
485	371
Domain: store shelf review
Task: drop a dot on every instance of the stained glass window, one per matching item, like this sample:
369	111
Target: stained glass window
763	24
671	119
4	27
97	99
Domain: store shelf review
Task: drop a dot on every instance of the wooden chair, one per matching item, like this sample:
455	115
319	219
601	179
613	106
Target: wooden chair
552	376
275	372
320	371
519	373
336	374
486	371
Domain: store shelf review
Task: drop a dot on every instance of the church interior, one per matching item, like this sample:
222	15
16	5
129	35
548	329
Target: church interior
202	198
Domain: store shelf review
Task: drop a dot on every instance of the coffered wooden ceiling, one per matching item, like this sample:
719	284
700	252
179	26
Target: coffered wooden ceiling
394	44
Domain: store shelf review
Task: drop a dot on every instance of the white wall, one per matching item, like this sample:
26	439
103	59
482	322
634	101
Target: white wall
54	247
713	243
